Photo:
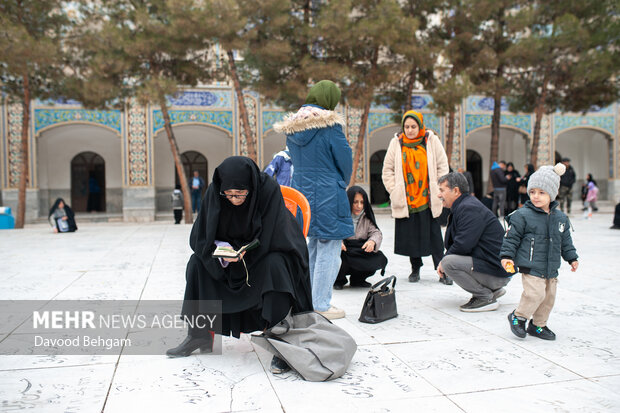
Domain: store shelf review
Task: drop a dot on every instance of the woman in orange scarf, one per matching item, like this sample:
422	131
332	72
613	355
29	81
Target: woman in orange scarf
414	161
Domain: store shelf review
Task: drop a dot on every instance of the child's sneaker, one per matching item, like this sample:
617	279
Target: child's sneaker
517	325
540	332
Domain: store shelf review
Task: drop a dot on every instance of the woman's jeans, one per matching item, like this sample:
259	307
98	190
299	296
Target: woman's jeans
324	267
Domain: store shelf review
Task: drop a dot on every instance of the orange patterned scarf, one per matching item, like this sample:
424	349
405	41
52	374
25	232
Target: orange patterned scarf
415	171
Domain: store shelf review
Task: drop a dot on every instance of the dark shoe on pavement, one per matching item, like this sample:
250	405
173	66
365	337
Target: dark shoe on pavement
364	284
540	332
517	325
478	305
190	344
338	286
278	366
446	280
414	277
499	293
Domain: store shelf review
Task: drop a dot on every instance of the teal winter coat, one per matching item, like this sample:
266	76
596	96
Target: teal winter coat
535	240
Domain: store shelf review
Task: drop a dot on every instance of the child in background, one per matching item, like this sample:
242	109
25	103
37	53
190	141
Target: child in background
591	198
538	236
177	204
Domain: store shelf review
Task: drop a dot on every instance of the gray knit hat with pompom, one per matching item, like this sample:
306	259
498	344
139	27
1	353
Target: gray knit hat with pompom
547	178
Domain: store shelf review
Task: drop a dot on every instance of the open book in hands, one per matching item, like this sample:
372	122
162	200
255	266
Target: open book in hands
230	252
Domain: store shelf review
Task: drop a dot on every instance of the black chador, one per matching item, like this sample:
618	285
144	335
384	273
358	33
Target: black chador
68	212
275	277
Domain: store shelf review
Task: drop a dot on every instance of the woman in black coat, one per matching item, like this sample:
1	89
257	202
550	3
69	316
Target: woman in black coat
61	217
512	188
257	291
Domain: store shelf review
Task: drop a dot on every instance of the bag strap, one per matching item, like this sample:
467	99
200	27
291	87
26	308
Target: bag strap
384	283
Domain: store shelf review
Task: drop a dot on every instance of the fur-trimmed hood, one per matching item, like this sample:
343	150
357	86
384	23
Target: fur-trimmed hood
308	117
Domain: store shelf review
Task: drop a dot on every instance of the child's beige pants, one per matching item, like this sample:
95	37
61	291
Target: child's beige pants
537	299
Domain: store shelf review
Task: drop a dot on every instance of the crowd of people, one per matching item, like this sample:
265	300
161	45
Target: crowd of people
288	273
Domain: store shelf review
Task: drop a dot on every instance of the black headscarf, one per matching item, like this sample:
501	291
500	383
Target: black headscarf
238	224
68	211
368	212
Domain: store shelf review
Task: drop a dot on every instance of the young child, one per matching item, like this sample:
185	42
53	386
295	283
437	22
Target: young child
591	198
538	236
177	204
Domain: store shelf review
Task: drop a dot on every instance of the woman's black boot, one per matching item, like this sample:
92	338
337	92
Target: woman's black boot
190	344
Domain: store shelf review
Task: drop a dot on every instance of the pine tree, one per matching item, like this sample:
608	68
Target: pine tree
31	65
154	49
563	60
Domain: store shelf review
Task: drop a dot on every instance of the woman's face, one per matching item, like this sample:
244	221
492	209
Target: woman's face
358	204
411	128
61	204
236	196
510	168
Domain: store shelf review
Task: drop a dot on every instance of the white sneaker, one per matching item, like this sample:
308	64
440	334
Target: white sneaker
332	313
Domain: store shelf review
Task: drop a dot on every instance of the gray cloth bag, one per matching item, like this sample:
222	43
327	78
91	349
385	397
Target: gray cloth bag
311	345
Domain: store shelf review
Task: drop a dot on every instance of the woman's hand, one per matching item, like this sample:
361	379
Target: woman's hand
369	246
342	247
64	218
235	259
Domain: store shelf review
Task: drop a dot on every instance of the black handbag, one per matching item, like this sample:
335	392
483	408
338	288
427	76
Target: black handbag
380	302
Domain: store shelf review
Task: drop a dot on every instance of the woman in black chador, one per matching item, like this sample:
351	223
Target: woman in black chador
243	204
61	217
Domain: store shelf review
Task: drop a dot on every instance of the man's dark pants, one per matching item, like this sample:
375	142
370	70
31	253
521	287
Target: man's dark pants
196	200
480	285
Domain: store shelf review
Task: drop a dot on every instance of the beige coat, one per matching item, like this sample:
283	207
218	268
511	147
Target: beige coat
366	230
394	181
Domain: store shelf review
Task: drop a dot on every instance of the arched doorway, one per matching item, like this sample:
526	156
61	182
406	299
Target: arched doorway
378	194
193	161
474	166
88	182
590	151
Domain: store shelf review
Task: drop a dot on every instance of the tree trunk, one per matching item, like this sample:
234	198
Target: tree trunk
174	148
360	142
450	136
497	113
539	112
410	85
248	136
23	176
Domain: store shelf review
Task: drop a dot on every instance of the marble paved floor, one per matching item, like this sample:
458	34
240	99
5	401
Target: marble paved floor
432	358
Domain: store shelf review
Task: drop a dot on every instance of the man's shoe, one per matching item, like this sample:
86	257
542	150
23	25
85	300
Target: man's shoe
468	304
278	366
364	284
478	305
338	286
332	313
517	325
499	293
540	332
190	344
446	280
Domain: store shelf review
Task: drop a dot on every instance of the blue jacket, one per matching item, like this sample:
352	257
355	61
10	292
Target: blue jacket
323	163
536	241
474	231
282	167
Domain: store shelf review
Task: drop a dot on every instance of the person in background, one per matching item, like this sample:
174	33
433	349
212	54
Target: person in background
198	185
323	166
360	254
565	195
470	180
591	198
177	204
512	188
415	159
585	189
500	181
61	217
281	167
523	196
